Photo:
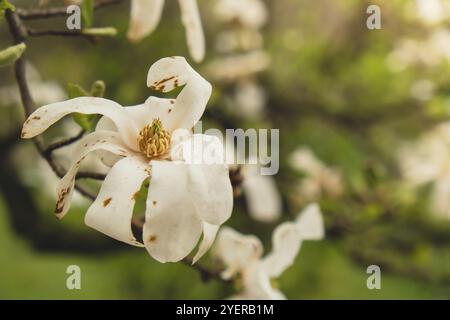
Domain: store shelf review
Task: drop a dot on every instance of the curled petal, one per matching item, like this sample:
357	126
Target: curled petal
112	211
105	140
144	18
209	235
47	115
286	242
287	239
172	227
310	223
190	16
236	251
263	199
169	73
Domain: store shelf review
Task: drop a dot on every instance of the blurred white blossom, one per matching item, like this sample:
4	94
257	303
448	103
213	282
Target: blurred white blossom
240	44
261	193
319	179
433	11
432	51
42	91
150	141
242	255
428	161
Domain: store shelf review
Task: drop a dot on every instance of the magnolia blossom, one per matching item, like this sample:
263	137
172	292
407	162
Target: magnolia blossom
433	11
319	178
430	51
428	161
249	13
241	42
146	14
237	66
153	140
242	255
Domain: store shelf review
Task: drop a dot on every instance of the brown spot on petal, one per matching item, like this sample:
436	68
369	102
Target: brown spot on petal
61	197
106	201
160	82
151	238
36	118
154	202
170	110
172	101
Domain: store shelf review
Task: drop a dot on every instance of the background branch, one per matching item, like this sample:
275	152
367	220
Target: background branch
40	13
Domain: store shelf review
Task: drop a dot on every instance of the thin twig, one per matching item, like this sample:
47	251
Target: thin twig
59	33
62	143
40	13
90	175
18	31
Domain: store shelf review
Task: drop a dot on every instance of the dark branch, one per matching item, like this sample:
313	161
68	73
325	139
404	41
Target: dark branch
31	14
19	34
59	144
90	175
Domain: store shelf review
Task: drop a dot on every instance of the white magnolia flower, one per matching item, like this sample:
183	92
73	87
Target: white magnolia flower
238	66
186	197
249	98
433	11
431	51
236	40
242	255
146	14
250	13
427	161
319	178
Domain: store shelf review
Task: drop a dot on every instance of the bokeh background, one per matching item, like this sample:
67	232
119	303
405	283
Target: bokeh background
370	106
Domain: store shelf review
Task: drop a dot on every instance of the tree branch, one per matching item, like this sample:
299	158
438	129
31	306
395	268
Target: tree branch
33	14
19	33
62	143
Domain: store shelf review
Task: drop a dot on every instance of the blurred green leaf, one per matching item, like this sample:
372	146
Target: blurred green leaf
4	5
100	32
86	121
11	54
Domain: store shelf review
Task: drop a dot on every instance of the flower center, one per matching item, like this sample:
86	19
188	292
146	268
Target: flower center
153	140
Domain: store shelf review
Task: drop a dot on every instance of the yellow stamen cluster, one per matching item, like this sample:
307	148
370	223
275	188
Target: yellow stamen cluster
154	141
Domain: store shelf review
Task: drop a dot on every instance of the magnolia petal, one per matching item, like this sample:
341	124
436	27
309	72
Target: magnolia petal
287	239
257	285
169	73
286	242
199	149
47	115
310	223
209	235
172	227
190	17
211	192
112	211
261	193
144	18
236	251
105	140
